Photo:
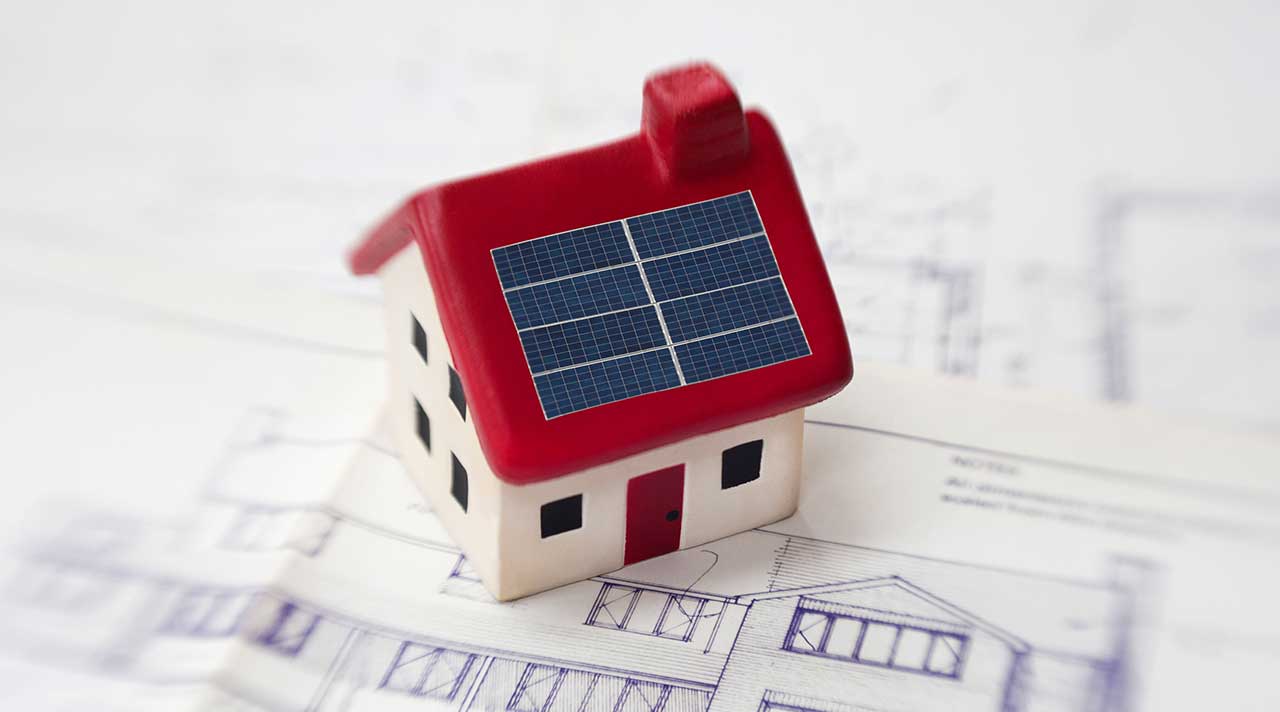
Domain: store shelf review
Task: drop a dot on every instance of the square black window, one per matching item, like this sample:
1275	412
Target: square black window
419	338
455	393
740	464
458	488
562	515
423	425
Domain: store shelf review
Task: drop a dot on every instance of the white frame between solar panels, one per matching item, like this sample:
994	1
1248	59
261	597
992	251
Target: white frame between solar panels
649	303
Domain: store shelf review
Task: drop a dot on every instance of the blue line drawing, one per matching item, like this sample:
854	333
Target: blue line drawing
825	647
794	624
289	630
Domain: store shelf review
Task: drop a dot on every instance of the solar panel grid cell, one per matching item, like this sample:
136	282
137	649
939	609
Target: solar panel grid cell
713	268
576	297
694	226
744	350
726	309
566	253
592	333
603	382
591	339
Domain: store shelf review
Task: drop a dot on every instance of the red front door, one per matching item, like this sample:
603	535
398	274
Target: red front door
653	514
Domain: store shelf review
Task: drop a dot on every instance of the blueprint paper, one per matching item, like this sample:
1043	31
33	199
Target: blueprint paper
1020	554
1071	198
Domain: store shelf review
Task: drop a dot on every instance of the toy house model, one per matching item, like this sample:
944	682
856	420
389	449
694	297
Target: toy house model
604	356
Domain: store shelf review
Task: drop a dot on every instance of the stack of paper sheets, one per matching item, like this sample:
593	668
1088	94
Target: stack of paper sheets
956	546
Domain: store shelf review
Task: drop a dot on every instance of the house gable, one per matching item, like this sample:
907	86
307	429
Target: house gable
788	650
891	598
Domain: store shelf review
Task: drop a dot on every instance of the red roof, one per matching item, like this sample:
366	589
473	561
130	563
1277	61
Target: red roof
696	143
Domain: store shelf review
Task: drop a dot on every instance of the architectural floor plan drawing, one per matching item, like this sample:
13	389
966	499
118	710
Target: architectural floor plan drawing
762	620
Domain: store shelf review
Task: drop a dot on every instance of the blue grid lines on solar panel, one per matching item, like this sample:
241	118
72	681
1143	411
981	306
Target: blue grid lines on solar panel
726	309
566	253
744	350
603	382
576	297
713	268
701	295
592	339
696	225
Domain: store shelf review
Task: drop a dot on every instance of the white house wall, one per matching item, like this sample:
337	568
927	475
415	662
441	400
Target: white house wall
531	563
406	291
501	531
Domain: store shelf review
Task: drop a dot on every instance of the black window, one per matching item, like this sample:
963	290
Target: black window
419	338
424	425
740	464
562	515
455	393
458	488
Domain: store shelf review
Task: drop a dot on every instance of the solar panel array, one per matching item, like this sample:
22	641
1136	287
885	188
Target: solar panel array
648	303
